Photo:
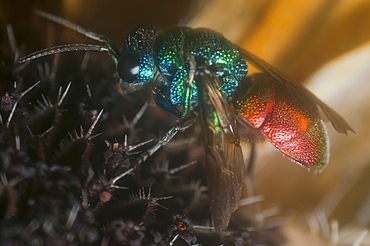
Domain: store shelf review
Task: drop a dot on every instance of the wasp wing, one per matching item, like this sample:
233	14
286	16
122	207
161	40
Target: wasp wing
224	158
280	80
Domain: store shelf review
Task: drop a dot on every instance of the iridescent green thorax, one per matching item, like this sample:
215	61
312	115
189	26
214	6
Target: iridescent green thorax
173	51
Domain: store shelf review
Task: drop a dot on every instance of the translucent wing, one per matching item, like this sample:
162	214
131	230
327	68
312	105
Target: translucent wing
287	114
224	159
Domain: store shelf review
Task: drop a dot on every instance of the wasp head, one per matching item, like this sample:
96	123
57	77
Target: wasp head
136	68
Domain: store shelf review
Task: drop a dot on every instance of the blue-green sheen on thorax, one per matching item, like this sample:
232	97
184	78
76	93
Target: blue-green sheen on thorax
172	53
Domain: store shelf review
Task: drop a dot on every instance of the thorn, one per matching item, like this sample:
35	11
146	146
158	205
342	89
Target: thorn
163	198
59	92
47	102
17	143
16	103
85	60
81	132
85	203
250	200
114	180
11	39
334	229
271	212
94	136
149	192
204	227
139	115
46	132
41	72
360	238
88	91
64	94
132	147
94	124
118	187
3	178
55	67
72	216
105	241
182	167
173	240
125	144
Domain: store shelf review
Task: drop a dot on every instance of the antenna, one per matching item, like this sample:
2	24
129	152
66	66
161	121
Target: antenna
61	49
109	47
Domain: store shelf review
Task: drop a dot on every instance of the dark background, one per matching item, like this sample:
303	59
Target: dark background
110	18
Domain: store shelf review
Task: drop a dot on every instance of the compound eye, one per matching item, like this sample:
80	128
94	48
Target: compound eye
128	67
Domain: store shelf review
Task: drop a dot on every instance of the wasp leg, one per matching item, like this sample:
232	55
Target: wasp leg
184	124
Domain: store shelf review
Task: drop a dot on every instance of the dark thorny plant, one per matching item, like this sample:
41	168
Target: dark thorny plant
69	141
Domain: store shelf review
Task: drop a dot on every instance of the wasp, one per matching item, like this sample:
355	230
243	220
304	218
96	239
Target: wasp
199	75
